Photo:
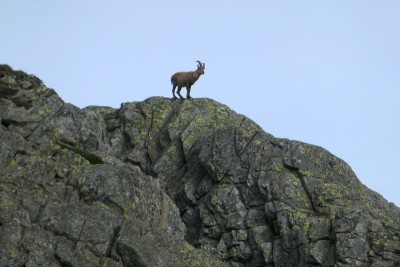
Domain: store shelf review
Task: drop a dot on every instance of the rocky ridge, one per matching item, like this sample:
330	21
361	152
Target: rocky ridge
174	183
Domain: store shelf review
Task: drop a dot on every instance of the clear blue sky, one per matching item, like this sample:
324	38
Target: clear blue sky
322	72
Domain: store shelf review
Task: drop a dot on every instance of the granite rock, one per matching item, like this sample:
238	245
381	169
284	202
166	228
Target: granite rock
167	182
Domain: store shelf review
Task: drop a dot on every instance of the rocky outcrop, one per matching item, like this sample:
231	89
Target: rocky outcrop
174	183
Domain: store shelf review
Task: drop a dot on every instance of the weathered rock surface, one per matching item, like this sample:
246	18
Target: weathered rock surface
174	183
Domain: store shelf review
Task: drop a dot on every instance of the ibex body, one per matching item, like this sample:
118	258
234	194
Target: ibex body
186	79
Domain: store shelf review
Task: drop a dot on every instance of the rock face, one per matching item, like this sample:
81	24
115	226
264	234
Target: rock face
174	183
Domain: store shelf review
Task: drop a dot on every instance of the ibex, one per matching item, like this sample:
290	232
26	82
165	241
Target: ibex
186	79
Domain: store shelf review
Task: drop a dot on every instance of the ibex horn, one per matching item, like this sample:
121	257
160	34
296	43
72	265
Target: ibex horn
199	63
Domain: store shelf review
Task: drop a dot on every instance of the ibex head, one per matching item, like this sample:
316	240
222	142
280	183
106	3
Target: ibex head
200	67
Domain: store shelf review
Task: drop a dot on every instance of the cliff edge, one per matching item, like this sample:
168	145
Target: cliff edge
174	183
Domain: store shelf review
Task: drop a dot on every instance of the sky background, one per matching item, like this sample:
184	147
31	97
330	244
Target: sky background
322	72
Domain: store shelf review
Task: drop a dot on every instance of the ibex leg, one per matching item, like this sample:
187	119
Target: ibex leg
173	91
179	92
